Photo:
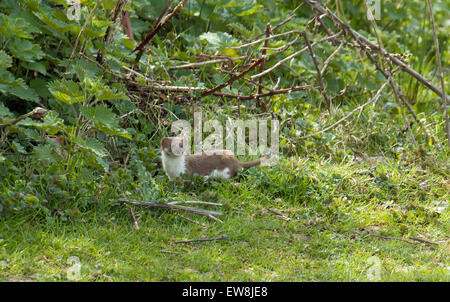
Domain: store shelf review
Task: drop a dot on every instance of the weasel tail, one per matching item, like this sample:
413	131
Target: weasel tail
253	163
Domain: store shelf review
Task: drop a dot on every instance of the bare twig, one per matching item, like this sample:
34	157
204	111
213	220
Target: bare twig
126	24
262	104
270	93
315	5
441	74
233	78
152	33
266	38
248	80
328	60
319	75
283	47
37	112
293	55
373	100
106	38
197	64
279	25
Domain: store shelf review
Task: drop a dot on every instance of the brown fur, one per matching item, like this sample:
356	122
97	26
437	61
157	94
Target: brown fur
206	162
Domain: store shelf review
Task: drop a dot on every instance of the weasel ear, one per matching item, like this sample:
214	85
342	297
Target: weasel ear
164	142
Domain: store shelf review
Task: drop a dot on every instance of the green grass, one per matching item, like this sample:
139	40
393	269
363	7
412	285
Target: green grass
336	210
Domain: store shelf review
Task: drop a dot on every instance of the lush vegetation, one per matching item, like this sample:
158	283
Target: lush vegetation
366	200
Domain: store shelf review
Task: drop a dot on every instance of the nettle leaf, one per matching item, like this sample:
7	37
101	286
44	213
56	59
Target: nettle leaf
24	92
17	87
256	8
334	84
7	81
104	120
52	124
4	111
36	66
25	50
52	18
46	153
367	81
85	69
5	60
97	162
18	147
217	40
92	145
110	94
66	91
40	86
16	27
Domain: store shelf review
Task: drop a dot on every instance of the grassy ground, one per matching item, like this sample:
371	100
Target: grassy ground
363	219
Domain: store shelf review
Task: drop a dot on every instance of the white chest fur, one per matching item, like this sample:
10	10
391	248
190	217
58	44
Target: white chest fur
173	165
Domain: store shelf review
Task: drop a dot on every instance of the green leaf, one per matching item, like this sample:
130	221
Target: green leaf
216	40
66	91
36	66
108	94
18	147
7	80
256	8
4	111
16	27
40	86
98	162
109	4
46	153
52	124
85	69
25	50
366	82
25	93
104	120
92	145
5	60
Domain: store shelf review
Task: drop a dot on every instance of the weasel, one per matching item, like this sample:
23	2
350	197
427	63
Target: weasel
214	163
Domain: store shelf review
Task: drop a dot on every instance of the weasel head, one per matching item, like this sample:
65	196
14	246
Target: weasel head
173	146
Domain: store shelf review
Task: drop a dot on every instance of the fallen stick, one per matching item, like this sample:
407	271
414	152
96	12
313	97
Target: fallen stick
203	239
279	214
136	225
196	202
172	207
